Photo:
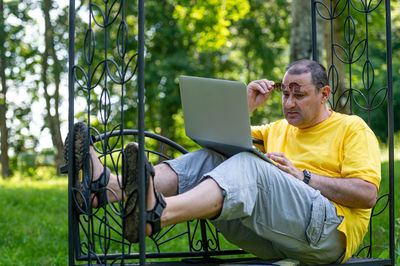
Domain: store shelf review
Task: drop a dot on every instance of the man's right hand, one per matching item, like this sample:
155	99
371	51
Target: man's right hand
258	92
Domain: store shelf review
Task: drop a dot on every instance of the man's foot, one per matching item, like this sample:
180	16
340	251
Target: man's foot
155	201
96	173
86	183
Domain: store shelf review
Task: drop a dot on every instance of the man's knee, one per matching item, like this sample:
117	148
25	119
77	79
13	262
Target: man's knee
165	180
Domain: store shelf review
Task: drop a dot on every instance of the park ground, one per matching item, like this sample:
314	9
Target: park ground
34	220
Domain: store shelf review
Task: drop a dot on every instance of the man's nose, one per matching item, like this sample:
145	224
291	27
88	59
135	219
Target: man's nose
290	102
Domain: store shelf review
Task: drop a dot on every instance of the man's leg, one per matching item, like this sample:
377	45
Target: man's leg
279	210
274	206
246	189
165	180
204	200
190	167
187	198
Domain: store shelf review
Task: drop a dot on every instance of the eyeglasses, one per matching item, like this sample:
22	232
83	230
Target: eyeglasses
293	86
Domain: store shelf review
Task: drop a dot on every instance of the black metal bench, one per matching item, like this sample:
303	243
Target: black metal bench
96	237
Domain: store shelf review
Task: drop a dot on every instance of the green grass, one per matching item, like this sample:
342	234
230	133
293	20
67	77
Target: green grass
381	223
34	220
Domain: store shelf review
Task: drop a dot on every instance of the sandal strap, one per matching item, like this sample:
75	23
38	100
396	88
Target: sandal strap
99	188
150	172
154	216
64	169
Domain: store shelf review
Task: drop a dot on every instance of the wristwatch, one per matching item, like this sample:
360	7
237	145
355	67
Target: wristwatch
307	176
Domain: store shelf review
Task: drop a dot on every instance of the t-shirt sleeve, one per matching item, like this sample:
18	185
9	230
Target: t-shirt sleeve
361	155
261	133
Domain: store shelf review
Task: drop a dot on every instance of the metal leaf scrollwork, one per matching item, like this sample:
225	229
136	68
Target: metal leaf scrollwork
213	242
105	105
339	8
122	39
333	77
368	75
90	46
366	7
343	99
101	228
323	10
104	234
349	32
385	200
82	84
354	70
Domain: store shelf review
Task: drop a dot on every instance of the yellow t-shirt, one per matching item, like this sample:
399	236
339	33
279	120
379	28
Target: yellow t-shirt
341	146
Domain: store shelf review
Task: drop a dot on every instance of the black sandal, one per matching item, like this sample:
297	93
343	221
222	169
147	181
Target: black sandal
83	186
154	216
131	217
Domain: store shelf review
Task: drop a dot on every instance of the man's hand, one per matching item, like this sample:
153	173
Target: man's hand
258	92
285	164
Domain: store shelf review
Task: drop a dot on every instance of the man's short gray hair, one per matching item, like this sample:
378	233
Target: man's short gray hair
318	72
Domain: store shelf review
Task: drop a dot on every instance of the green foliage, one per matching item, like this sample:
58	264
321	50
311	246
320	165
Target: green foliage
207	23
223	39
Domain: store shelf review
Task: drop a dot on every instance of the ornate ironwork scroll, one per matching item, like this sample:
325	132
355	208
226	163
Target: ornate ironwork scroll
360	62
107	83
109	77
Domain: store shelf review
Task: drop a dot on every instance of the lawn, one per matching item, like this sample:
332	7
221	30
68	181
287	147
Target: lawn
33	225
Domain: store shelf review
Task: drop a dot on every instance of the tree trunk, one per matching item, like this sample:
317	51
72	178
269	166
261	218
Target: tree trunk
5	168
52	120
300	31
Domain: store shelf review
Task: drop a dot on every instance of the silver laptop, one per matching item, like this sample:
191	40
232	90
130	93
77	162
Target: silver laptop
216	115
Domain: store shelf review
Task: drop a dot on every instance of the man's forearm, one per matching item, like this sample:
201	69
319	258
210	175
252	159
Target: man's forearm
350	192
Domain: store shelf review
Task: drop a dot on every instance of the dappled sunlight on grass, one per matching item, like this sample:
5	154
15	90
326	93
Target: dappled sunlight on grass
41	182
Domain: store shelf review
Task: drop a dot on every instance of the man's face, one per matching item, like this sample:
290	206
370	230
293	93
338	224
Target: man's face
304	106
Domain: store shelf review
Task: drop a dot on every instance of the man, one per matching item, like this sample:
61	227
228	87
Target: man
313	207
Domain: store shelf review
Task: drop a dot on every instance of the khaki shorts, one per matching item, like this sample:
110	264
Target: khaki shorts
266	211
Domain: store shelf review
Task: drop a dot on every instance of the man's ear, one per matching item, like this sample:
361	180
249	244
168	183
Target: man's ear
325	93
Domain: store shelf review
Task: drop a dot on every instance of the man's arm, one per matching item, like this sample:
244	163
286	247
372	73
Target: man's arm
258	92
350	192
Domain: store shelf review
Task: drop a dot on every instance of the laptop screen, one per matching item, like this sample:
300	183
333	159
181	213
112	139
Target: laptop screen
216	112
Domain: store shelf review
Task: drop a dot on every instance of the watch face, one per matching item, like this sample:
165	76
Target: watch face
307	176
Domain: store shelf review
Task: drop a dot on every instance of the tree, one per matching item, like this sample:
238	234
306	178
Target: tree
52	119
260	40
188	37
300	30
5	169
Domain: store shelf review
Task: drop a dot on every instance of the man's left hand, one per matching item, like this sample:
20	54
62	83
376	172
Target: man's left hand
285	164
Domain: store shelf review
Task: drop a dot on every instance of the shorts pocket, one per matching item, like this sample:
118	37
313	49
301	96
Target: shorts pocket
317	221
